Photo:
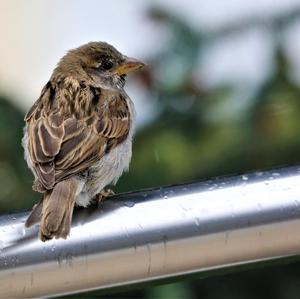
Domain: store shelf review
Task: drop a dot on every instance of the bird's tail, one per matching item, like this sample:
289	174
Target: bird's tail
35	215
55	211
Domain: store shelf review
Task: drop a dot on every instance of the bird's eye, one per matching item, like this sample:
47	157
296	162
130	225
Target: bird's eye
107	64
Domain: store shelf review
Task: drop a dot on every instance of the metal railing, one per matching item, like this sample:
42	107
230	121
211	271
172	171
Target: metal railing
155	234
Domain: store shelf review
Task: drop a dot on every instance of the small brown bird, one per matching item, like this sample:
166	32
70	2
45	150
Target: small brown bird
78	134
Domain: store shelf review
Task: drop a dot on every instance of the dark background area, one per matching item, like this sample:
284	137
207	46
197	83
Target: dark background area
196	130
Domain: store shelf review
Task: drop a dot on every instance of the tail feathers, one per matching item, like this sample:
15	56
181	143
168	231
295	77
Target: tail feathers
57	210
35	215
54	211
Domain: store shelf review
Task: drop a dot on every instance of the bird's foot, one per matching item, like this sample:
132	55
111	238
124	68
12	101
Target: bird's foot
103	195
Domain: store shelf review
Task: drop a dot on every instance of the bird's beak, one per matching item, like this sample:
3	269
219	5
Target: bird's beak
128	65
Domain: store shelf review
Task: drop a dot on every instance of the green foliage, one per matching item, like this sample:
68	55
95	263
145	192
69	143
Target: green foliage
15	178
199	131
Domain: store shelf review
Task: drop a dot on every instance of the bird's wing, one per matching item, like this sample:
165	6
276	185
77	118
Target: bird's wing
64	145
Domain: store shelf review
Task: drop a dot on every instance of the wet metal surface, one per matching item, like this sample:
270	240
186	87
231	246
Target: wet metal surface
156	234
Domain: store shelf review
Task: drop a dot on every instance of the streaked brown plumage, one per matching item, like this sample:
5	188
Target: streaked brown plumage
78	133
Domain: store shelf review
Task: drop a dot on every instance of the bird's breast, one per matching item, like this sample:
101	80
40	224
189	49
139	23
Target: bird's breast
111	166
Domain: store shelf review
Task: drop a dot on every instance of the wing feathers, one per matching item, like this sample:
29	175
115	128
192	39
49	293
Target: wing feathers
46	175
50	139
63	144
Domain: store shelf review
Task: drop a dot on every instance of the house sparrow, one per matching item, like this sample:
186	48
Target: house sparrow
78	134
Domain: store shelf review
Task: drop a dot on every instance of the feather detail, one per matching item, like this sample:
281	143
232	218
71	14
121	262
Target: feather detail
35	215
71	126
57	210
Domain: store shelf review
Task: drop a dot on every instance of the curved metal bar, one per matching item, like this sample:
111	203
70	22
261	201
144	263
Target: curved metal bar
154	234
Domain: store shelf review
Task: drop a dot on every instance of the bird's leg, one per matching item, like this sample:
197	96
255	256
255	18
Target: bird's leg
103	195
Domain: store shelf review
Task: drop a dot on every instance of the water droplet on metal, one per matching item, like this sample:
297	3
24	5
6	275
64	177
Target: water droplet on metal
184	208
23	231
245	178
129	204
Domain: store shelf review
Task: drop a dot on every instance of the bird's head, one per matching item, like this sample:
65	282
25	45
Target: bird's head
99	62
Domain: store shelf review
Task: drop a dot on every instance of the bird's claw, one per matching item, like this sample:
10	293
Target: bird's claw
103	195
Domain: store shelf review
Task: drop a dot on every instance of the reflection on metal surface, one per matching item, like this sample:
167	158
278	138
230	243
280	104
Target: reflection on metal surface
156	234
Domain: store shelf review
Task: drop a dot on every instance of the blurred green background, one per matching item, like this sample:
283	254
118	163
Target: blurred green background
194	129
